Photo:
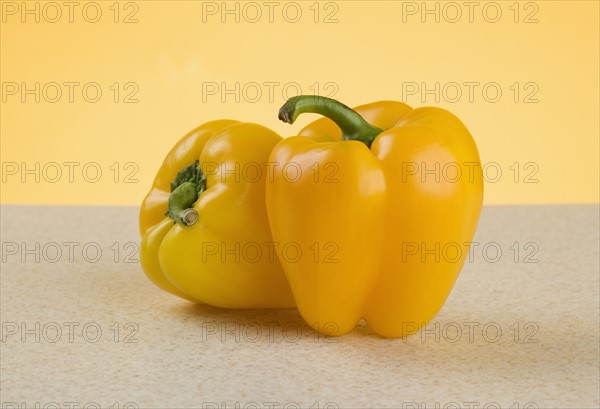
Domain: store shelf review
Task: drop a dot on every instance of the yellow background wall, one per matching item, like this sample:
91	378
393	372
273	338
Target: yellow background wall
174	61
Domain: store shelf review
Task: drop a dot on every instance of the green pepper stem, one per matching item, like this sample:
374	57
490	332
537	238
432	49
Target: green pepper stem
180	203
353	126
185	191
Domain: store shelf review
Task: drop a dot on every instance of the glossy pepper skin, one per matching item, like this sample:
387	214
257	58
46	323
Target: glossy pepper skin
204	220
364	186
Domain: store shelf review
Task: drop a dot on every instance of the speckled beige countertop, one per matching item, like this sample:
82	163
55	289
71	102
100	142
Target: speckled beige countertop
83	327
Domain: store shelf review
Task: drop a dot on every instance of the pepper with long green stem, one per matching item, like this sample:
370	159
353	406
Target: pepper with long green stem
369	224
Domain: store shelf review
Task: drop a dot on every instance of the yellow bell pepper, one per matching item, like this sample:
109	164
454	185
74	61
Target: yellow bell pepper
204	223
362	191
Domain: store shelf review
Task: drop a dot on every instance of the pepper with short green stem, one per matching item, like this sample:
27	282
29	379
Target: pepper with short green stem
195	262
